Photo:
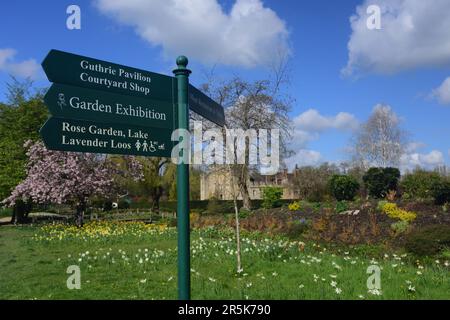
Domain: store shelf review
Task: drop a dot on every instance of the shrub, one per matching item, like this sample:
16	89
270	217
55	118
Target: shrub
107	205
394	212
296	228
244	213
341	206
429	240
272	197
343	187
400	227
5	212
312	182
216	206
294	206
441	192
124	204
419	184
379	181
381	204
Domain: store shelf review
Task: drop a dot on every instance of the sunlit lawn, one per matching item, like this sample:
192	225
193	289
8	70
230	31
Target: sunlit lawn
135	262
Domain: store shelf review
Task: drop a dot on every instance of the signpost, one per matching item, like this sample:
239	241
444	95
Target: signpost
205	106
65	101
184	263
103	107
96	137
72	69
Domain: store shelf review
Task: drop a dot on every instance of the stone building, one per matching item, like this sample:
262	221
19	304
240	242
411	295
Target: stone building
218	184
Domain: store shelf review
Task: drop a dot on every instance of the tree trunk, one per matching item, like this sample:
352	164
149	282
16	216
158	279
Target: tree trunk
243	188
156	196
236	215
246	202
79	217
28	208
155	204
19	212
238	236
14	215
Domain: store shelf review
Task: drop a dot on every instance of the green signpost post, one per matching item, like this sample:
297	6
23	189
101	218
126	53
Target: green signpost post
103	107
184	261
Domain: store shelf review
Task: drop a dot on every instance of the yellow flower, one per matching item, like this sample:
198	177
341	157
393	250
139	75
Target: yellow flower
394	212
294	206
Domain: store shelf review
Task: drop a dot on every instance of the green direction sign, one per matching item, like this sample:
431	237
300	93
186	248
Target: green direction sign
94	137
71	102
71	69
205	106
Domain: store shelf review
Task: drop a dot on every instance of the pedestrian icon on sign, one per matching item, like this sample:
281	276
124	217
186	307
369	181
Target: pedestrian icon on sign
138	145
145	146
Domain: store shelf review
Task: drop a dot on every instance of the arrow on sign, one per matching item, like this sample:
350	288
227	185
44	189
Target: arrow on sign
65	101
94	137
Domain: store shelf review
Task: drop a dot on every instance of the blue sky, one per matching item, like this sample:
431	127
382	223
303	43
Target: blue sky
399	65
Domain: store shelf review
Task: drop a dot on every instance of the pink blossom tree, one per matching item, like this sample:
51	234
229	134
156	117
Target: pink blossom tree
69	177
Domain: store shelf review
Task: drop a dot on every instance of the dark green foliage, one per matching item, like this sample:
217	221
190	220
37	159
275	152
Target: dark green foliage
244	213
21	210
343	187
441	192
107	205
124	204
5	212
213	205
272	197
341	206
419	184
379	181
429	240
20	120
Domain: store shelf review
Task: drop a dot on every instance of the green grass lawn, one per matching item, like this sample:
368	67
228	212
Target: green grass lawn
136	263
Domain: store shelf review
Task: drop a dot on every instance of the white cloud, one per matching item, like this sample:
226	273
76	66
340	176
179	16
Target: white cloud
442	93
249	35
301	138
312	121
25	69
428	160
304	157
413	147
414	33
308	126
